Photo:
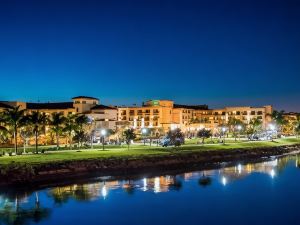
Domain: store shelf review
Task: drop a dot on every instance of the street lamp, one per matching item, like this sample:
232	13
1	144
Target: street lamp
144	131
239	127
103	133
272	128
224	130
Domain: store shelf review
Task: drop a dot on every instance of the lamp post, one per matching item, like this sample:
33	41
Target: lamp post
144	131
224	130
92	139
272	128
239	127
103	133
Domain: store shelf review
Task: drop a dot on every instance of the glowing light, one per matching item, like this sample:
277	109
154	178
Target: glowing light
145	184
104	191
239	127
156	185
224	180
144	130
103	132
272	127
239	167
272	173
223	129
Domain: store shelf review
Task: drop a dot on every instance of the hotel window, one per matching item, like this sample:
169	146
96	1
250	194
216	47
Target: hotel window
252	113
83	102
259	113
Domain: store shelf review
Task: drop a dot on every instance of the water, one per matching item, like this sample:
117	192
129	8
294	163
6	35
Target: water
261	193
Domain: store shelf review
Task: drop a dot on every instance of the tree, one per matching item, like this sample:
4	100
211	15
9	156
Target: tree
176	137
278	118
70	127
14	118
56	122
255	125
296	125
129	135
80	122
4	133
26	133
203	134
38	121
235	126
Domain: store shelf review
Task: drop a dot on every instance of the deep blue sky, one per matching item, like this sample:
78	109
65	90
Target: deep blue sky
215	52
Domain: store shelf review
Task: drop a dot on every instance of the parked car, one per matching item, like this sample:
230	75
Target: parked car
165	142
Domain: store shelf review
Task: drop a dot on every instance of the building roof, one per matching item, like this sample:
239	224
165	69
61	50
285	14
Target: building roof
86	97
6	106
56	105
102	107
197	107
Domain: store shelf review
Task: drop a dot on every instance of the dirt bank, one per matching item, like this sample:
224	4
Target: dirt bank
21	174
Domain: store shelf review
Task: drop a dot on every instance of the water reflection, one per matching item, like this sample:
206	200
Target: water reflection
23	207
14	209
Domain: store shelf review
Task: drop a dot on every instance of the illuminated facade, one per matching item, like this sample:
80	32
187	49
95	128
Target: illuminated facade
162	114
103	116
166	114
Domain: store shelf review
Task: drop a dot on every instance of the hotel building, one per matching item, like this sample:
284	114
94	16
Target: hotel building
162	114
103	116
167	115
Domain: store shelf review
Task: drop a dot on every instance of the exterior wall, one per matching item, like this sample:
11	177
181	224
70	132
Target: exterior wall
65	112
15	104
84	104
153	114
104	118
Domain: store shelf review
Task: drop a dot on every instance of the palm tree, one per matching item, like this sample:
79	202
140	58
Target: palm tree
70	127
255	125
129	135
14	118
56	122
80	122
38	121
234	125
296	125
278	118
3	130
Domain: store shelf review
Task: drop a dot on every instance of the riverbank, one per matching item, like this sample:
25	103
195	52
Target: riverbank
59	166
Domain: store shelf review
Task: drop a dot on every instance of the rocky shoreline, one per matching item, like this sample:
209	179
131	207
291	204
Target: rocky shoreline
26	174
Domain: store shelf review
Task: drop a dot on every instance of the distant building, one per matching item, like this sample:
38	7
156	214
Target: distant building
167	115
103	116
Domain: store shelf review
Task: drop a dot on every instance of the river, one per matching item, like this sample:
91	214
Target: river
257	193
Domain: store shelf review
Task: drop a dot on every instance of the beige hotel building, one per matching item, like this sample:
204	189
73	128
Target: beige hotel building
162	114
167	115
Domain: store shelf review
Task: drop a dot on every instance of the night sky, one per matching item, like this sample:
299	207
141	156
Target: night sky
220	53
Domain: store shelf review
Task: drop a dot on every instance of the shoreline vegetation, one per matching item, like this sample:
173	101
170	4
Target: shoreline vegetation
55	166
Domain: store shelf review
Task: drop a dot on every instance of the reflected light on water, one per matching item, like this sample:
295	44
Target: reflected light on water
156	185
145	184
239	167
224	180
104	191
272	173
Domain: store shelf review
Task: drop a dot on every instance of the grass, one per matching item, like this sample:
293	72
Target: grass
136	151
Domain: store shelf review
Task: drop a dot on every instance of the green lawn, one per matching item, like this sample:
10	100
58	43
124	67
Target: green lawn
136	151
